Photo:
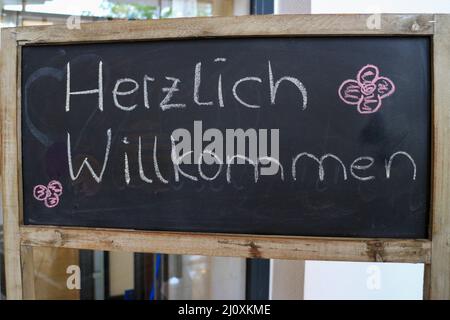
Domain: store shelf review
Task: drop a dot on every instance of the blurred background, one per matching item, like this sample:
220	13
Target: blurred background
121	275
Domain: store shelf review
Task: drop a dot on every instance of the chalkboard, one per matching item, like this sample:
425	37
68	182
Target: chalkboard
314	136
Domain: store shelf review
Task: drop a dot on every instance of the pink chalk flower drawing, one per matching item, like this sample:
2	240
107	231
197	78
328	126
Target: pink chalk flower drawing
367	91
49	194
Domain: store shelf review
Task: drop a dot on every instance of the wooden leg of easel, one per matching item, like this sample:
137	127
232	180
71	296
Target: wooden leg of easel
12	265
440	251
28	282
10	186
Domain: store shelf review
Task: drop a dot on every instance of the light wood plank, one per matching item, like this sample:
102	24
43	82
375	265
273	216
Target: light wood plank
222	7
50	273
249	246
279	25
440	264
28	278
10	188
287	280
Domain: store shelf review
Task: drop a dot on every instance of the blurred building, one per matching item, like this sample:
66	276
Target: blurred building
41	12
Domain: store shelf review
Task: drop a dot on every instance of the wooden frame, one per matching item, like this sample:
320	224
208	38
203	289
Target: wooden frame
20	239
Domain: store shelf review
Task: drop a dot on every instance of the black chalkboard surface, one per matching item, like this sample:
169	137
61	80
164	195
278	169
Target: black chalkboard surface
333	134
